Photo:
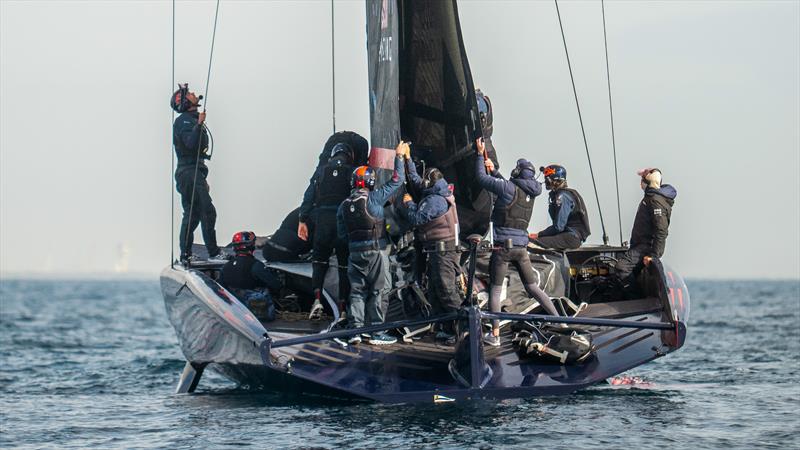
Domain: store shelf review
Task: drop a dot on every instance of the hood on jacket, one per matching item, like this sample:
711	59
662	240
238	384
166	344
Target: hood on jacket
440	187
666	191
528	185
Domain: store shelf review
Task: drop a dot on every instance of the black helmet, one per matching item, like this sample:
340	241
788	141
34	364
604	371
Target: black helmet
244	241
179	101
342	149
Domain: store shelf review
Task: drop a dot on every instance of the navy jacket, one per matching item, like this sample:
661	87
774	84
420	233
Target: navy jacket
186	136
433	203
567	204
375	201
505	189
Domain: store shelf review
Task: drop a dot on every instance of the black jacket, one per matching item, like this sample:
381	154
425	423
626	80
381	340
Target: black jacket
651	225
246	272
189	137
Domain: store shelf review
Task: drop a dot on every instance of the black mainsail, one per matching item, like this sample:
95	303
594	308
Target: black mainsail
421	90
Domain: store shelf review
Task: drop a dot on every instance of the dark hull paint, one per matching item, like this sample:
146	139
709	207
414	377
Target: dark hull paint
216	331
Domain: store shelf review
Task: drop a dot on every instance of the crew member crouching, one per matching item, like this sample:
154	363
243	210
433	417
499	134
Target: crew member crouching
435	220
246	277
567	210
360	219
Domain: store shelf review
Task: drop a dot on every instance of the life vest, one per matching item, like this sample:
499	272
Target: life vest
361	225
516	214
333	186
236	274
442	228
578	219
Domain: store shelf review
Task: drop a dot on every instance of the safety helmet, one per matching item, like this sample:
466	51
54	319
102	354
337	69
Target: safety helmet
244	241
430	177
179	101
342	149
554	172
363	177
523	164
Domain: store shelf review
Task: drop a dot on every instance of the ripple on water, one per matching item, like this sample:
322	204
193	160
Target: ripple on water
94	364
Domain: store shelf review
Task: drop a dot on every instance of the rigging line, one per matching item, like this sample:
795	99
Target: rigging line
583	130
200	138
172	155
611	115
333	68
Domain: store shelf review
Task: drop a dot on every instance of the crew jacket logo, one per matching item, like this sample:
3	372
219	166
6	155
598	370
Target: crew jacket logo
657	211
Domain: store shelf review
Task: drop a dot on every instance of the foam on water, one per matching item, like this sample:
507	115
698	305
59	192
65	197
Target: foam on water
94	364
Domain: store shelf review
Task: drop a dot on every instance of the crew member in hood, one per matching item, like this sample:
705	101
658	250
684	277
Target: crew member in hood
190	138
510	216
650	227
435	222
567	210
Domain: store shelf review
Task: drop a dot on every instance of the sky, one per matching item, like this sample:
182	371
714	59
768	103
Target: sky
709	92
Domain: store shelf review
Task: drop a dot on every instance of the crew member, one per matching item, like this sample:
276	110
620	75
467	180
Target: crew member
567	210
360	219
284	245
190	139
436	229
650	227
245	276
510	216
331	187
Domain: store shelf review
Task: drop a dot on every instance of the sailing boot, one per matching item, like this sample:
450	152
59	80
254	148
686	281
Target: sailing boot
316	308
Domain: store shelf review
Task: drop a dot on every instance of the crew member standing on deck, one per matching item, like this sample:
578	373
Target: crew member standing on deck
511	216
331	186
435	222
567	210
190	138
361	221
650	228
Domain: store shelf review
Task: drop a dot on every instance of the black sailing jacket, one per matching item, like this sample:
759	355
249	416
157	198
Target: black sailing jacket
651	225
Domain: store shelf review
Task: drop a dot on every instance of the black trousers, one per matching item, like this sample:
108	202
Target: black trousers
325	242
443	269
630	264
565	240
498	265
201	211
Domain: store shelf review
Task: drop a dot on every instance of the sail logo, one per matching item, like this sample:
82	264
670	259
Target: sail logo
385	49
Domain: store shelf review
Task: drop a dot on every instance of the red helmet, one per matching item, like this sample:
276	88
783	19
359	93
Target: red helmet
363	177
244	241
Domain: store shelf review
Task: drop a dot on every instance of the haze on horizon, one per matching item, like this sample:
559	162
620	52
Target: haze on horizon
707	91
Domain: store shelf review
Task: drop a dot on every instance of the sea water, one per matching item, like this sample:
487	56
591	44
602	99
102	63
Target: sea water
93	364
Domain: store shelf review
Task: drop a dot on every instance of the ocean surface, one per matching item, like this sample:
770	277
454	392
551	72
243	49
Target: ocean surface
93	364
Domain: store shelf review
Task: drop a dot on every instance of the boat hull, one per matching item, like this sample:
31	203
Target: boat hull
217	332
